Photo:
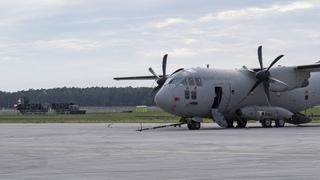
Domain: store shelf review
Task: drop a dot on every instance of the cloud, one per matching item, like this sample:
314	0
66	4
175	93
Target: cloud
69	44
295	6
183	52
137	35
190	41
169	21
17	11
245	13
256	12
7	59
80	44
33	4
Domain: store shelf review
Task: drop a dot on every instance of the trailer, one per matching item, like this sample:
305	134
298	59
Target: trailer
66	108
31	108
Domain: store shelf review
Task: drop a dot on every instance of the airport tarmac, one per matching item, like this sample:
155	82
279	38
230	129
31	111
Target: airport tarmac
118	151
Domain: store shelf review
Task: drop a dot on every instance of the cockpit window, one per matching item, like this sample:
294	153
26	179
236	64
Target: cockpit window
175	81
182	83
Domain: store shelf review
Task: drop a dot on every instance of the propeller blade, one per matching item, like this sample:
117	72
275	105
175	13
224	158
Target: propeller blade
154	73
254	86
274	61
155	89
177	71
266	91
260	57
164	65
263	76
245	67
275	79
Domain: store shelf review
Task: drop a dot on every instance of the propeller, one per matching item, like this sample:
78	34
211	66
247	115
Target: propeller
263	75
162	79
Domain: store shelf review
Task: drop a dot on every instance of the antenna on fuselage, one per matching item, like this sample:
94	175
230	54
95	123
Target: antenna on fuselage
208	65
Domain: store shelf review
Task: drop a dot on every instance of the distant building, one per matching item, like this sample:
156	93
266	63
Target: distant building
142	109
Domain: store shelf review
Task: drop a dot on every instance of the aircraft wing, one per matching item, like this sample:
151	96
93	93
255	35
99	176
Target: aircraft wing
137	78
309	68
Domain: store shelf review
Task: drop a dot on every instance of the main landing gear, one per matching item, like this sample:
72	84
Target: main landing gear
241	123
268	122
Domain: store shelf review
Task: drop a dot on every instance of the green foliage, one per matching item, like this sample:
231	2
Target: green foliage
152	116
93	96
313	113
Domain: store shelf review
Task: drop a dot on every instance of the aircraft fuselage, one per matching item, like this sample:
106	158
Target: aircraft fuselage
194	92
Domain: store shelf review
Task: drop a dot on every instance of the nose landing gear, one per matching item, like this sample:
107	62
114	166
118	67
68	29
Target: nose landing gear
194	125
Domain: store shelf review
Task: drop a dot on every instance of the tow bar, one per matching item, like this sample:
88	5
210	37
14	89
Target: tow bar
162	126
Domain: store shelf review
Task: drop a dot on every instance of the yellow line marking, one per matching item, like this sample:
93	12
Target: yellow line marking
164	151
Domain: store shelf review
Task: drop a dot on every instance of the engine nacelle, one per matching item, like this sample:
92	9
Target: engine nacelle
263	112
298	118
289	75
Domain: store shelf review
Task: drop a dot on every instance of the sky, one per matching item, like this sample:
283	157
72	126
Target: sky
64	43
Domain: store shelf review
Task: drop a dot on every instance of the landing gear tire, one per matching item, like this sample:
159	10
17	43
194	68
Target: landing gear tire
280	122
230	124
241	123
194	125
266	122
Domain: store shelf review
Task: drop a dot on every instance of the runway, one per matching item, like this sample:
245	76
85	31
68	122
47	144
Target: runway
118	151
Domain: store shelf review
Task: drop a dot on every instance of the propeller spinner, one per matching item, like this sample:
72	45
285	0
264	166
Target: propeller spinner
263	75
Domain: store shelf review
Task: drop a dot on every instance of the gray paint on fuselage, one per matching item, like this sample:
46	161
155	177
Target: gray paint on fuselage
235	86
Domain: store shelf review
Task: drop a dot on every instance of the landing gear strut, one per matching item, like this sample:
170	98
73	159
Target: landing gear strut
230	124
241	123
194	125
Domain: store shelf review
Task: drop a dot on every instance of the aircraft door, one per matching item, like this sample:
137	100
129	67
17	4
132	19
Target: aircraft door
217	99
221	94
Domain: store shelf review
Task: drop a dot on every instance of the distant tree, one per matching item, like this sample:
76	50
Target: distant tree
92	96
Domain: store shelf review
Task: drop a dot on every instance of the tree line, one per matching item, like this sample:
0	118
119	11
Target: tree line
93	96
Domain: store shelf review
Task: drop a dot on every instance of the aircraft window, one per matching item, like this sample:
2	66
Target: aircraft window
182	83
193	94
187	94
174	81
167	81
306	96
198	81
191	81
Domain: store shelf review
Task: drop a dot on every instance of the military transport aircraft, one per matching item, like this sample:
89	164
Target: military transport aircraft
261	94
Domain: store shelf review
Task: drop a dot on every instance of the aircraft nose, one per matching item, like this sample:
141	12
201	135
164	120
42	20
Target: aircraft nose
164	99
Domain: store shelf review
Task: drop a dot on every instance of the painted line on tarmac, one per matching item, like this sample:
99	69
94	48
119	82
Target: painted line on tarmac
164	151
